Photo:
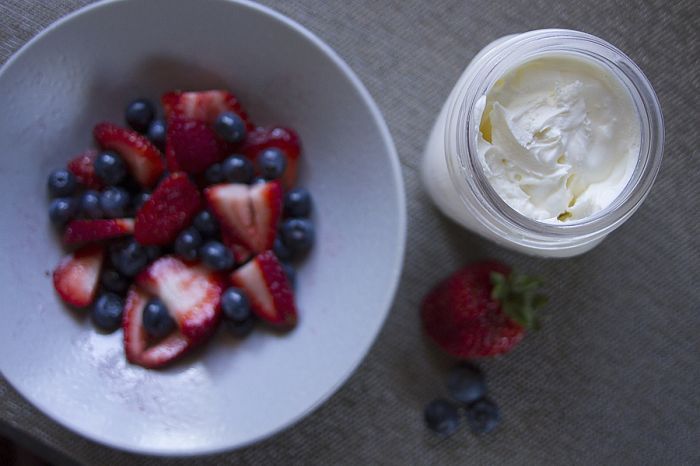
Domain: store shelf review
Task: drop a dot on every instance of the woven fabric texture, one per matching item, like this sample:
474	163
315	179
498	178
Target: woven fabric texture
613	377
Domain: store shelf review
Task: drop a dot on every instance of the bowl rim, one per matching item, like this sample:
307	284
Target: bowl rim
397	267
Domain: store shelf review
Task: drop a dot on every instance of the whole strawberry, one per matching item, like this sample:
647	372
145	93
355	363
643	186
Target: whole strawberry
481	310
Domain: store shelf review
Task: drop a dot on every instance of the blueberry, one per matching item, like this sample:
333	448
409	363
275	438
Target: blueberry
442	417
297	203
90	204
237	169
216	256
214	174
187	243
156	318
156	133
139	200
110	168
153	252
298	235
281	251
107	312
114	202
114	281
235	304
62	183
230	127
257	180
139	114
483	416
291	274
62	209
271	163
240	329
129	257
206	224
466	383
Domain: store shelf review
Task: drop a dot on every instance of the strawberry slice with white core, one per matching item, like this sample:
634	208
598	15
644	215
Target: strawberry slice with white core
76	277
204	106
136	339
83	231
248	214
142	158
190	292
267	286
266	203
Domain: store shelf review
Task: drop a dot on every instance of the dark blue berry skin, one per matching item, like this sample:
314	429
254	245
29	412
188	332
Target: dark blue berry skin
139	114
156	133
258	179
156	318
129	257
110	168
90	204
298	235
272	163
442	417
230	127
114	202
483	416
216	256
297	203
188	243
237	169
214	174
291	274
62	183
107	312
139	200
153	252
206	224
113	281
241	329
466	383
235	305
63	209
281	251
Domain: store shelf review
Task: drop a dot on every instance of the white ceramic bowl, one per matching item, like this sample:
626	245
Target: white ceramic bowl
84	69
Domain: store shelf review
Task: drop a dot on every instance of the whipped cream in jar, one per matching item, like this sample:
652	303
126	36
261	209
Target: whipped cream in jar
549	140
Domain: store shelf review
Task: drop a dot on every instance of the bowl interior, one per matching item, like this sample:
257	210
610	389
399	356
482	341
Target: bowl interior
85	69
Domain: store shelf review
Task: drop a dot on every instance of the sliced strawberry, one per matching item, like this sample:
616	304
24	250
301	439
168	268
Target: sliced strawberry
82	166
136	338
230	204
141	156
168	211
76	277
190	292
204	106
191	146
284	139
83	231
266	202
248	214
268	289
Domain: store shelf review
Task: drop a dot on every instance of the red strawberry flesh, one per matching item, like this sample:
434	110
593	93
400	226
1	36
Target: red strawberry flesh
460	315
83	231
76	277
266	202
285	139
190	292
82	166
266	284
168	211
203	106
191	146
142	158
136	339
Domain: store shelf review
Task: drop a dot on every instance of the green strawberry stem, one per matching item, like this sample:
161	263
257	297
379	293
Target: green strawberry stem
518	297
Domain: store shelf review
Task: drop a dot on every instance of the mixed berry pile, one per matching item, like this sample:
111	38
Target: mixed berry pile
180	222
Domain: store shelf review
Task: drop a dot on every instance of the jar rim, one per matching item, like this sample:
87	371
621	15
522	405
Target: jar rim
461	133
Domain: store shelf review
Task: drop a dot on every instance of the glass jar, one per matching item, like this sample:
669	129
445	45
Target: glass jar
453	174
